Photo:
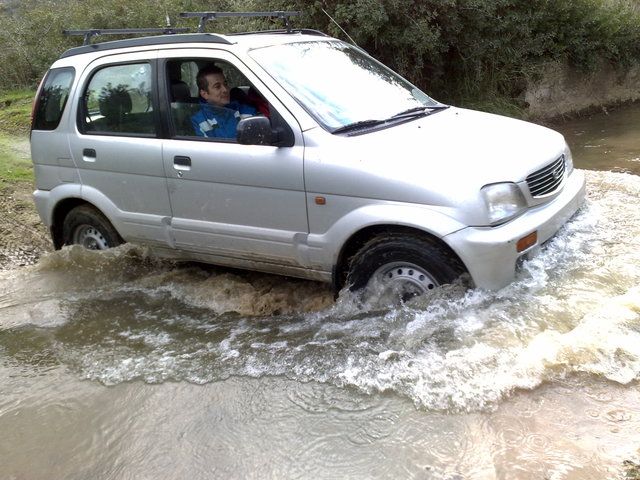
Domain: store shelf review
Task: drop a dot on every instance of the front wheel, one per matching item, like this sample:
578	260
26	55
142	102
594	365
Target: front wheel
86	226
402	266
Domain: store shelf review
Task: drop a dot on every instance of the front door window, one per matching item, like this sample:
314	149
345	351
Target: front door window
208	99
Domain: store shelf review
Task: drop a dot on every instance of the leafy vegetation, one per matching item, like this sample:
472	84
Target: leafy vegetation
472	52
475	49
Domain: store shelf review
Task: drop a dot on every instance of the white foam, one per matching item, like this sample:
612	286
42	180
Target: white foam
572	309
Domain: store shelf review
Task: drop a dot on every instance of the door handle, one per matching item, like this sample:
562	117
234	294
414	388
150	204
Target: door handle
89	155
181	163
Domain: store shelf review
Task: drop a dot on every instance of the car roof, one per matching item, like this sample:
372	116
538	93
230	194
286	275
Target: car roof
247	40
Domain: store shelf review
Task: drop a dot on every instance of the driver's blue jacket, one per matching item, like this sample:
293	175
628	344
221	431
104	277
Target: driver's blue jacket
219	122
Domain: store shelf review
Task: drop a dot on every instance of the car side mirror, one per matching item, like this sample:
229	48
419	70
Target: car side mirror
255	131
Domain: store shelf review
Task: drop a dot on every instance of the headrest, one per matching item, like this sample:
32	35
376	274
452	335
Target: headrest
114	101
180	91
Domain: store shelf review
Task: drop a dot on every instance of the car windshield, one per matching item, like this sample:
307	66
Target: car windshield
338	84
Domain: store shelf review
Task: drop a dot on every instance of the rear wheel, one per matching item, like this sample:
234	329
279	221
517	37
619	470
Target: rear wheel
402	266
86	226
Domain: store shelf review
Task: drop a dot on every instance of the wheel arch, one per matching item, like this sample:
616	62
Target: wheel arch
358	239
60	212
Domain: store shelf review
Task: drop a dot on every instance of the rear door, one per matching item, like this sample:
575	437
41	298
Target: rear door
230	200
116	144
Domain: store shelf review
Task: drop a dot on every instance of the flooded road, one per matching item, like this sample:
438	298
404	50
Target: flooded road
115	365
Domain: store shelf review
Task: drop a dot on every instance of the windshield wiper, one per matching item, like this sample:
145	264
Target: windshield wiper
418	111
357	125
412	112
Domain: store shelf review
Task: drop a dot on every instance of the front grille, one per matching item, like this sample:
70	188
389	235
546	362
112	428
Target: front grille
547	179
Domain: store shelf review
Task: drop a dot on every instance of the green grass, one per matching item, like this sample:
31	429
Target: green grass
17	94
15	111
15	161
493	103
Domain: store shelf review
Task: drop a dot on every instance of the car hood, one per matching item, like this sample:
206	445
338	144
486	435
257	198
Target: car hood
443	159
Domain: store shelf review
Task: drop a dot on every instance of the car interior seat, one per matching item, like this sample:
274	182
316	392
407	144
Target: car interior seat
115	104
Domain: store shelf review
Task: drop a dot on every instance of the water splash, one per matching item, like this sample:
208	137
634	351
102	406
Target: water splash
122	315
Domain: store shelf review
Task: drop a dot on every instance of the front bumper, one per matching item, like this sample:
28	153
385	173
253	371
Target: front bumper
490	253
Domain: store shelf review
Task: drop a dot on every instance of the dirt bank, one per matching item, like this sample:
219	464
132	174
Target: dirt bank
23	237
562	90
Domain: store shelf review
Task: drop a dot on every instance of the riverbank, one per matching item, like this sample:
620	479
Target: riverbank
561	91
23	237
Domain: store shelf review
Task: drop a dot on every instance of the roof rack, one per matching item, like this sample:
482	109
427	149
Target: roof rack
204	16
147	41
306	31
93	32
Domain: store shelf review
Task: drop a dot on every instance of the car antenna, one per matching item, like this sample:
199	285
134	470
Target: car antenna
204	16
338	25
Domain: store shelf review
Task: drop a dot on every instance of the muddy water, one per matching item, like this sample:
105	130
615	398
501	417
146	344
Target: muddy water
119	366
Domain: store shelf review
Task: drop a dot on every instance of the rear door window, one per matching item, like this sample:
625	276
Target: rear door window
118	100
52	98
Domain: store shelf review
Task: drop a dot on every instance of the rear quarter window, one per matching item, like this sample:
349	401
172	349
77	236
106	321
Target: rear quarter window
52	98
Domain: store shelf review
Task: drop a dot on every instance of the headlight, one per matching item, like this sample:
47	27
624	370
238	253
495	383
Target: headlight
504	201
568	159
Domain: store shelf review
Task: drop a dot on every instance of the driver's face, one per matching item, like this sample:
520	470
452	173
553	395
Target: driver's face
217	92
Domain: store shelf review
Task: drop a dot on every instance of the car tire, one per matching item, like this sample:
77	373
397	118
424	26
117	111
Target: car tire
403	265
87	226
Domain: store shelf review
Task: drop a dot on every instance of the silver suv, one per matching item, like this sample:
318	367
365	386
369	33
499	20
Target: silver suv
341	171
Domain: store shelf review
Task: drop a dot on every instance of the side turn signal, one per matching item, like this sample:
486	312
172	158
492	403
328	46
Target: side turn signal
526	242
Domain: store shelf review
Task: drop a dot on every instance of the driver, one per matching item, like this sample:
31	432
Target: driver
218	116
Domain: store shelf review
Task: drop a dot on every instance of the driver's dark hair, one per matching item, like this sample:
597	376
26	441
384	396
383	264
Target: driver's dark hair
201	78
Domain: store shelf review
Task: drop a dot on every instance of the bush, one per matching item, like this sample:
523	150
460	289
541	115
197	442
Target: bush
453	49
